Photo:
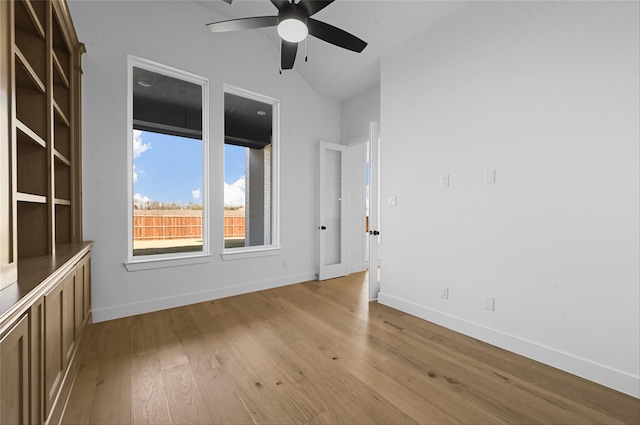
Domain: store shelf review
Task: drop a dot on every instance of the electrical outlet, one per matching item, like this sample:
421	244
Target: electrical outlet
444	293
444	180
284	264
490	303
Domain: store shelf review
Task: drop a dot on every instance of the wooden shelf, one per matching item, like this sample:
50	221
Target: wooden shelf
60	116
34	199
62	201
62	180
61	48
62	102
63	221
32	167
59	76
29	16
59	157
31	106
30	134
33	80
62	140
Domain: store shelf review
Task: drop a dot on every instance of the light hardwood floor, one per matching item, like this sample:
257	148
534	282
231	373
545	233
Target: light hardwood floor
318	352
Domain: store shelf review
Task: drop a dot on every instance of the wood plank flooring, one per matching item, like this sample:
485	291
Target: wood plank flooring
318	353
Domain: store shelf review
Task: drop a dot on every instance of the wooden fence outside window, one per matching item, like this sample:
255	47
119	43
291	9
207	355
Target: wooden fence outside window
164	227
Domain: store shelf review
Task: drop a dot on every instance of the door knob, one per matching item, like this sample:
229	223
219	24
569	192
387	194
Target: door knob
374	232
322	227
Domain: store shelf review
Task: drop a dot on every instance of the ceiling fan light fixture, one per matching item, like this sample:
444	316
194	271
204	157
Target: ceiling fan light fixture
292	30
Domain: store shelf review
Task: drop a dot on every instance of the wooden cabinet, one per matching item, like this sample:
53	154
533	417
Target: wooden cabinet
39	342
14	374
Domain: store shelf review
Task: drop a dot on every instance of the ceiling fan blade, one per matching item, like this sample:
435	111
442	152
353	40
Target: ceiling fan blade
335	36
288	54
315	6
243	24
279	3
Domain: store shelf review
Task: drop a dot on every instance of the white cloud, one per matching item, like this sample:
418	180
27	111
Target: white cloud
138	146
135	175
140	201
195	194
234	193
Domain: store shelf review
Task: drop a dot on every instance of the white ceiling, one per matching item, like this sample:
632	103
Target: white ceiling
337	73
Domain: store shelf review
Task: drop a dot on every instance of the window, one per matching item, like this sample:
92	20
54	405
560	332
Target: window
250	171
168	162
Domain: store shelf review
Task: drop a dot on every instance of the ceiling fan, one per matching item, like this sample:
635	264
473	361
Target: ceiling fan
294	23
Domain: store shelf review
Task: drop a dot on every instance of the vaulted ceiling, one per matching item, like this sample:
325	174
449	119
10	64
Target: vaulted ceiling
334	72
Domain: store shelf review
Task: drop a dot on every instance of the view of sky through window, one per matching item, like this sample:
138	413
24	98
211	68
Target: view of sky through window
168	169
234	174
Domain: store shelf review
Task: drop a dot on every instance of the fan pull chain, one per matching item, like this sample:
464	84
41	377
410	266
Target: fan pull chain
306	43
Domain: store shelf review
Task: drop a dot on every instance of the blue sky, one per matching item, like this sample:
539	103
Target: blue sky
169	168
234	159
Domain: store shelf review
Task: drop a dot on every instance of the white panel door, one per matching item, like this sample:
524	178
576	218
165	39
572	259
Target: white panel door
374	211
333	211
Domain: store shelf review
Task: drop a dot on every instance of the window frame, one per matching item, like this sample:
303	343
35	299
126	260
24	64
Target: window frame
143	262
274	248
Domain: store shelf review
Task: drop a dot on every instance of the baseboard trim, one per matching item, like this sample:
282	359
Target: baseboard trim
601	374
148	306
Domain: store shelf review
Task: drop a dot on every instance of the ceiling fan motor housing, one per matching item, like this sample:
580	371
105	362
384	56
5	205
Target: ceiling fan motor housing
293	11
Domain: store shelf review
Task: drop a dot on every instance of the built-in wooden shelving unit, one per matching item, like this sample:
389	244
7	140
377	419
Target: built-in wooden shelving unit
45	126
45	289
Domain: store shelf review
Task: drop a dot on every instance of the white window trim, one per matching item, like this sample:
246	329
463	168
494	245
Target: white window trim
177	259
274	248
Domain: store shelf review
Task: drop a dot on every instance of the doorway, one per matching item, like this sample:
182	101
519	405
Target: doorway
363	208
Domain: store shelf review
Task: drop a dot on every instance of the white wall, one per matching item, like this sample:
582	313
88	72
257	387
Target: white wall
358	112
174	33
547	94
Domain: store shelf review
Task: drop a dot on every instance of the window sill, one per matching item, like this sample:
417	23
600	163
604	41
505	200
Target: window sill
159	263
241	254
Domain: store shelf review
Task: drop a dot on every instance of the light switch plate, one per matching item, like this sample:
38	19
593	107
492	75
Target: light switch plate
489	303
444	180
489	176
392	201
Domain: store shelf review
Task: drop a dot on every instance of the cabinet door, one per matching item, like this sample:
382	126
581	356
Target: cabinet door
82	293
14	374
59	335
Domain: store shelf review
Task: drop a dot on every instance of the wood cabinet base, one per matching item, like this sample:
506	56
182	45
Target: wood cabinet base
41	335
